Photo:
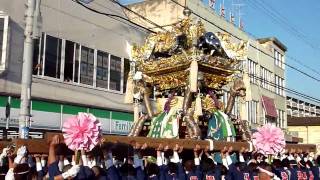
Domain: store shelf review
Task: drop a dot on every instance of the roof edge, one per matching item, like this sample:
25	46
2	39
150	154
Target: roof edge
274	40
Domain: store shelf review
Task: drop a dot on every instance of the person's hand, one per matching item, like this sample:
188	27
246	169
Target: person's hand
286	151
72	172
242	150
55	141
37	157
166	148
224	150
103	140
144	146
230	149
196	148
180	149
4	153
137	146
160	147
206	149
176	148
21	152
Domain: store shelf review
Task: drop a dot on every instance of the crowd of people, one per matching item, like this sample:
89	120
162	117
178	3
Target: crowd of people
166	164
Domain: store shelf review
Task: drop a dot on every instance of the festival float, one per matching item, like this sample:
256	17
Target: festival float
176	78
174	85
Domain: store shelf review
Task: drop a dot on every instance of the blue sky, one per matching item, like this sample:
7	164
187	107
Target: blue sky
303	17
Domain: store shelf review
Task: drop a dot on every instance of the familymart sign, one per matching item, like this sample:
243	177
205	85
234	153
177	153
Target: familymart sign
49	115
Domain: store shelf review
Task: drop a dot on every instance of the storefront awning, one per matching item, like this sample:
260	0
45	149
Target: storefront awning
269	106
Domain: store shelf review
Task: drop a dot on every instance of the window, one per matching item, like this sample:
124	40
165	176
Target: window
37	56
278	59
87	65
76	72
69	61
52	57
266	79
115	73
47	56
252	110
102	69
279	83
4	31
82	65
126	73
281	118
252	70
1	35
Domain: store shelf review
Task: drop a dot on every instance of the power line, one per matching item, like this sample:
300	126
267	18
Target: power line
278	17
144	18
114	16
313	99
290	90
306	66
210	22
282	21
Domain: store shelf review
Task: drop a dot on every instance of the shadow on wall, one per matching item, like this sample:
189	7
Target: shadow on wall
15	56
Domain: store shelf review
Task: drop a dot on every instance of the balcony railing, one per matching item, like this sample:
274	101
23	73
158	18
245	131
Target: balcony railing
288	103
301	106
294	104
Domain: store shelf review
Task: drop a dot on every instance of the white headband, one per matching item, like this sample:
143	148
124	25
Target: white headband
266	171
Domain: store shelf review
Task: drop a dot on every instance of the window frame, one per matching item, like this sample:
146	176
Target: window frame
5	42
78	47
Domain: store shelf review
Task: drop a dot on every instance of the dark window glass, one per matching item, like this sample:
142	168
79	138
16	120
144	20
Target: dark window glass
126	74
1	35
37	56
115	73
86	72
68	66
53	57
76	64
102	69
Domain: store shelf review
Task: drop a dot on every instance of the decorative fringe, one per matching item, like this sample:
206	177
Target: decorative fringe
135	112
128	98
193	76
198	106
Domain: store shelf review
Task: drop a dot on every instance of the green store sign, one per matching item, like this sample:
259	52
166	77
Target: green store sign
49	115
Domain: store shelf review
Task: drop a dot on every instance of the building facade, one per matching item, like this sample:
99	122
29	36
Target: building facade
302	108
306	128
303	119
264	66
80	64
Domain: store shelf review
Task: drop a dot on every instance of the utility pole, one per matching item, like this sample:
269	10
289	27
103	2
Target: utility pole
26	76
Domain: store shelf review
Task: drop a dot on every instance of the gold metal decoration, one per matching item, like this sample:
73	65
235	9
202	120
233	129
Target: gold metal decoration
186	59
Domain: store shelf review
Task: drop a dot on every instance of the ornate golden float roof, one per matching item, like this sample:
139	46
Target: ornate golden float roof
166	56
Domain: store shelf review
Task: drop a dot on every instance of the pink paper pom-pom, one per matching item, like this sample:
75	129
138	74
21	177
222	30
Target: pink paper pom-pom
82	132
268	140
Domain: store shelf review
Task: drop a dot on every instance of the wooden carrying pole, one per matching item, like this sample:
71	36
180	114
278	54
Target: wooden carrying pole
42	145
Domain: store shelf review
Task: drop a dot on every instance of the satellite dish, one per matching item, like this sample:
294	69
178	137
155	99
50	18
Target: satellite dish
85	1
